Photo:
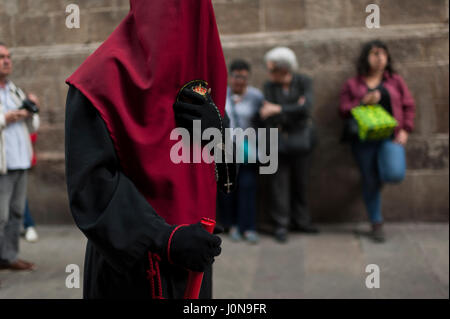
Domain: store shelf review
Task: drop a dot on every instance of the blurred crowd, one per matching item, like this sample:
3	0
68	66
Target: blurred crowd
286	103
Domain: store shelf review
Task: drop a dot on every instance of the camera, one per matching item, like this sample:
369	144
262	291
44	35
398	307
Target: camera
29	106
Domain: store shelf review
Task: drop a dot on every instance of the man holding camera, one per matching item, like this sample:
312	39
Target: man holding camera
18	118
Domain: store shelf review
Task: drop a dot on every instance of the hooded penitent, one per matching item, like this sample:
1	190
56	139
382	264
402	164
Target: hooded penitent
133	79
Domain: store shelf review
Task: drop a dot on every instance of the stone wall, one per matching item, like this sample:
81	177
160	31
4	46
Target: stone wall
325	34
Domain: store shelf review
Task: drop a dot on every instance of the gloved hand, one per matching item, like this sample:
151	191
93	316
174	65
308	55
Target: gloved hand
194	102
194	248
218	230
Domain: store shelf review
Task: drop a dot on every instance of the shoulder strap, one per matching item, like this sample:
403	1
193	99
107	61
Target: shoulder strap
18	92
18	95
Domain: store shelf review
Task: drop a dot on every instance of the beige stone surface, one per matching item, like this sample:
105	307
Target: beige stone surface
413	263
325	34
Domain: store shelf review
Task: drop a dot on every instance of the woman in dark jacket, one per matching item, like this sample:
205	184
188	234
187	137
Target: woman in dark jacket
379	161
288	106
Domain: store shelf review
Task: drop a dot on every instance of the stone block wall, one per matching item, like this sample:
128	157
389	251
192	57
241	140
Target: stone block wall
326	35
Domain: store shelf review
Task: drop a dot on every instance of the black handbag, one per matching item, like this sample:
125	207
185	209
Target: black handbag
299	140
350	131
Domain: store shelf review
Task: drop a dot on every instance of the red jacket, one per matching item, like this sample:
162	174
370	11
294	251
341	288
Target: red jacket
402	102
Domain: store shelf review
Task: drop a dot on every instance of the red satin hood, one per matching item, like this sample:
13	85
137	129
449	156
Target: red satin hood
133	79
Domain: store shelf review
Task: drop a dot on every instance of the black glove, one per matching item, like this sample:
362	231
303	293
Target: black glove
194	248
218	230
195	103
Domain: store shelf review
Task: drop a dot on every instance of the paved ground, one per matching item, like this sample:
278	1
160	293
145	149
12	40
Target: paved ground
414	263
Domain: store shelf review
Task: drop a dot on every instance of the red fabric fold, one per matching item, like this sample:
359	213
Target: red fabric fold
133	79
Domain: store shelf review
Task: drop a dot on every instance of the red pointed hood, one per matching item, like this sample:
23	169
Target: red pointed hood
133	79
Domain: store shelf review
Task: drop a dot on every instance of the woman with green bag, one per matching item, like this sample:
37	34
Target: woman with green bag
381	160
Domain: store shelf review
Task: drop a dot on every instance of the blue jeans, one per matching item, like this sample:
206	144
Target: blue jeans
380	162
239	208
27	219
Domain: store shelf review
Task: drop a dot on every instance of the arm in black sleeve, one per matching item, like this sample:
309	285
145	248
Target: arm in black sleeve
297	110
269	95
105	204
256	120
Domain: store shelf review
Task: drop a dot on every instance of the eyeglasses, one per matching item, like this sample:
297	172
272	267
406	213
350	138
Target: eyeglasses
275	70
239	77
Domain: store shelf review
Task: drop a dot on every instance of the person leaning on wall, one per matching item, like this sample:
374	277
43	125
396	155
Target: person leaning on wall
238	209
383	161
288	107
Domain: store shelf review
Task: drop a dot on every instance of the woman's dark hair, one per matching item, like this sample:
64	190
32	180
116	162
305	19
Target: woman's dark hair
363	65
239	65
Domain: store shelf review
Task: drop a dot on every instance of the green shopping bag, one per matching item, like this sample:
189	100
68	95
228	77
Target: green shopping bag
374	122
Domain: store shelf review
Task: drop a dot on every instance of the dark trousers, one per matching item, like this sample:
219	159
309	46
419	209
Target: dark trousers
13	194
287	188
239	208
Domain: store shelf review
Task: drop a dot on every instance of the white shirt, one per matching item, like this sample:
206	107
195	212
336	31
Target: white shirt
16	140
242	112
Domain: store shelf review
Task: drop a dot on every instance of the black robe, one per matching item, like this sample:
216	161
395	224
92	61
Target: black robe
121	226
